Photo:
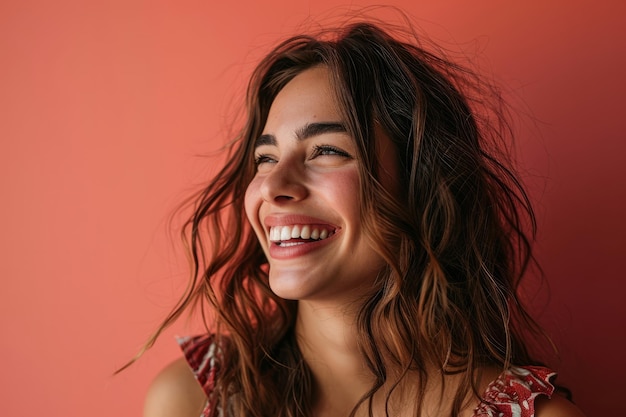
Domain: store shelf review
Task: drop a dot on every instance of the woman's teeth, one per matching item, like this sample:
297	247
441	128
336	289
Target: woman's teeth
286	233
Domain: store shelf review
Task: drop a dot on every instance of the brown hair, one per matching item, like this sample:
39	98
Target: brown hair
455	243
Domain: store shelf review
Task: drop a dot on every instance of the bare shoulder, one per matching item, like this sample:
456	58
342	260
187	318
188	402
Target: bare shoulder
174	393
557	406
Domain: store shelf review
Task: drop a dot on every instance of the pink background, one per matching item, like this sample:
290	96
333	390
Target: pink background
106	105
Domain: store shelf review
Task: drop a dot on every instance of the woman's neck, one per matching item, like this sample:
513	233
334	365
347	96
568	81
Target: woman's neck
327	338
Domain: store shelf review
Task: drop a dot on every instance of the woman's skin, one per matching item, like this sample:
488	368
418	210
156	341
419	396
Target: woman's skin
307	176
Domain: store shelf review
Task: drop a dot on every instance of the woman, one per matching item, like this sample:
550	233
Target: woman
362	250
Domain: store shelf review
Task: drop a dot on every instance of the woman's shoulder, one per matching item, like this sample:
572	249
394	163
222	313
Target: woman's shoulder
175	392
525	391
181	389
556	406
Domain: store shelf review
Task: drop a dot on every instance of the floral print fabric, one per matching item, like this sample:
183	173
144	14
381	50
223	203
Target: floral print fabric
513	393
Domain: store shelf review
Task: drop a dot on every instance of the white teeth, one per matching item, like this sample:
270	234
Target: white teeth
285	233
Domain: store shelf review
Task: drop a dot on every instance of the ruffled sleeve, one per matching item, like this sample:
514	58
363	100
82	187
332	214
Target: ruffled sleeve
514	392
203	356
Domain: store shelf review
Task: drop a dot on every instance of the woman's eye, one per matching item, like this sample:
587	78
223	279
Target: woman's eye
263	159
321	150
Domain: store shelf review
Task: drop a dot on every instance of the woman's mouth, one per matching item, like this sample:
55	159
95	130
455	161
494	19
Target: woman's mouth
297	234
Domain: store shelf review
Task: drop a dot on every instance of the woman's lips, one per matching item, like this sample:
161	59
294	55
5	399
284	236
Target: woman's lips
293	235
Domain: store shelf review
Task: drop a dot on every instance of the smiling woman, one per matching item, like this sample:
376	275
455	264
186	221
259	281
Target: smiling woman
376	269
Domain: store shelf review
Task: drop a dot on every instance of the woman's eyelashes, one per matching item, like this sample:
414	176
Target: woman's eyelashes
263	158
329	150
317	151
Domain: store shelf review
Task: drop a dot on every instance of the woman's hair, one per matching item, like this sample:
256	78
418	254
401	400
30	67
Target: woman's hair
455	238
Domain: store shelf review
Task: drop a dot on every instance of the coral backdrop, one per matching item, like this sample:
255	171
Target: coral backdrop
106	105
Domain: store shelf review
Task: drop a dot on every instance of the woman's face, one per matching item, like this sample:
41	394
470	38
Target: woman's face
303	202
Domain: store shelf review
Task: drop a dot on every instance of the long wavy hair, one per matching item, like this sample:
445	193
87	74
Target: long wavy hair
456	241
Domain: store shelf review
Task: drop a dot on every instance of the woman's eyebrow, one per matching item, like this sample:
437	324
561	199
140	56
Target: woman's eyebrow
305	132
314	129
266	139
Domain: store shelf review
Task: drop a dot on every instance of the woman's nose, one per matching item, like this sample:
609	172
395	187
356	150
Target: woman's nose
284	183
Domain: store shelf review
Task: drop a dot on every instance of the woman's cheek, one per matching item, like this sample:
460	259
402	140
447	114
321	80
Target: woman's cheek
252	202
343	187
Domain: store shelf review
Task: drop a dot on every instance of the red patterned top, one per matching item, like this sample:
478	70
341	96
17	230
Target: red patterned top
512	394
